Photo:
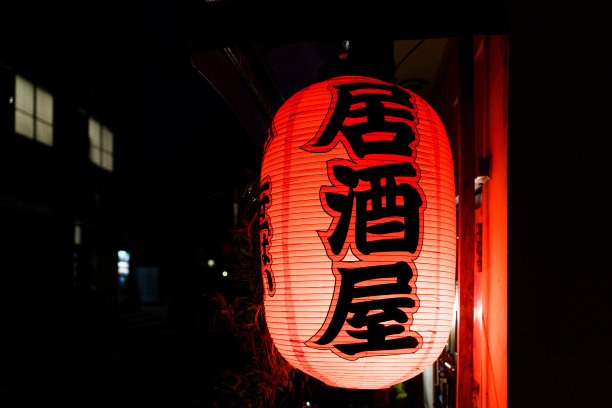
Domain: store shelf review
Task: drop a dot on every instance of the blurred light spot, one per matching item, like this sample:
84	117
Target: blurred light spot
211	263
123	264
224	273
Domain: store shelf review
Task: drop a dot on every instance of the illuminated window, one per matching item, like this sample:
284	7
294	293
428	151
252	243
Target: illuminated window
33	111
100	145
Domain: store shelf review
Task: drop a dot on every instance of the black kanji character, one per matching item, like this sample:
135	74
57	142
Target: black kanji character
376	103
387	309
407	208
264	200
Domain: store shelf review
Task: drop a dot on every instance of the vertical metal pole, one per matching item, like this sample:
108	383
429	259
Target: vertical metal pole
466	223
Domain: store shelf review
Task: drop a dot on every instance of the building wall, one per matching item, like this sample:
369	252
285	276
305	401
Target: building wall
490	270
489	342
44	192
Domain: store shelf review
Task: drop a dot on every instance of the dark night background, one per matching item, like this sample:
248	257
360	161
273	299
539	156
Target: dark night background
181	153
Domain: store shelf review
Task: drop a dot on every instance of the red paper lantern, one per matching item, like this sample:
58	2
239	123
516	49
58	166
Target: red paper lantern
358	233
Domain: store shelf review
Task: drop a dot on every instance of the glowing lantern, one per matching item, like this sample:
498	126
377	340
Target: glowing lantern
358	233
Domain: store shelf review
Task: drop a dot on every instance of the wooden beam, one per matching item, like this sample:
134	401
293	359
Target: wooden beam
226	79
466	224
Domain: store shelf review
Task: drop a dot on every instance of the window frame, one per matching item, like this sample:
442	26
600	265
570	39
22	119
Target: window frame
99	154
35	116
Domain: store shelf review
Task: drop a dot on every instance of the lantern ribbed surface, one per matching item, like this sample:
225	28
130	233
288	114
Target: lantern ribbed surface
358	233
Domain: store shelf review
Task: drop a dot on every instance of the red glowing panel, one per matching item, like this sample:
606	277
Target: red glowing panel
358	233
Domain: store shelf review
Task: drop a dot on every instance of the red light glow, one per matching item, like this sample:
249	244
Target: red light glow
358	233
